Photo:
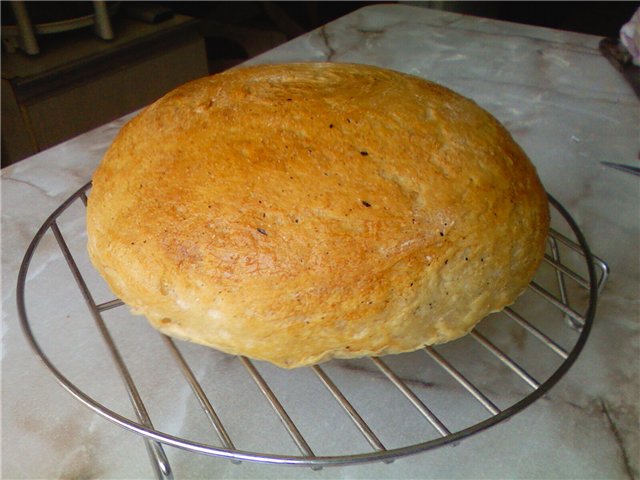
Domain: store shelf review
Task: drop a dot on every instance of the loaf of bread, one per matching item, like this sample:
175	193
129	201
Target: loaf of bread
302	212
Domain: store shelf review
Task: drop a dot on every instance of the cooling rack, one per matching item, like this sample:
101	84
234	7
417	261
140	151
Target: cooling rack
454	390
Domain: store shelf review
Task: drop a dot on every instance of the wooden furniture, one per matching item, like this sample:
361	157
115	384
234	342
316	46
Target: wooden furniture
80	81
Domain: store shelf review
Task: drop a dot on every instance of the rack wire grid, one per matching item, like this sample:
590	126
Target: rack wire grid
365	406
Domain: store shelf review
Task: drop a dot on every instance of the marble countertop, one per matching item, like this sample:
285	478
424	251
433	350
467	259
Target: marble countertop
566	106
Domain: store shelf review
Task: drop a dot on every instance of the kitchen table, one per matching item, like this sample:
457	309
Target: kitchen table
561	100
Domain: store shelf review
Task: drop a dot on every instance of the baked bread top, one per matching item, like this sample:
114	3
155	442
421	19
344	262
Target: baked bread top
300	212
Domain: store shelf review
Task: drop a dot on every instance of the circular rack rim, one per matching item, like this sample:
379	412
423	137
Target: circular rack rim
301	460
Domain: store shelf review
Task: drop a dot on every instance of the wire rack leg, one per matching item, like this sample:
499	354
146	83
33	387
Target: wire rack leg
208	409
291	427
548	342
500	355
555	253
601	264
159	460
576	318
462	380
366	431
411	396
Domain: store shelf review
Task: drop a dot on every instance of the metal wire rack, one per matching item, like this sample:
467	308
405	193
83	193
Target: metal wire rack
559	309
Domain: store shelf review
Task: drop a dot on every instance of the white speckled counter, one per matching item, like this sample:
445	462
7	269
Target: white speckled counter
564	104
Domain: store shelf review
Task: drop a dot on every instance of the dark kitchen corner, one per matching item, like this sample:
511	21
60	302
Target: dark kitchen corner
76	79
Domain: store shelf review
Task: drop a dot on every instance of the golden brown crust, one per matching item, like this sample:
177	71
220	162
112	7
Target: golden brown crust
296	213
